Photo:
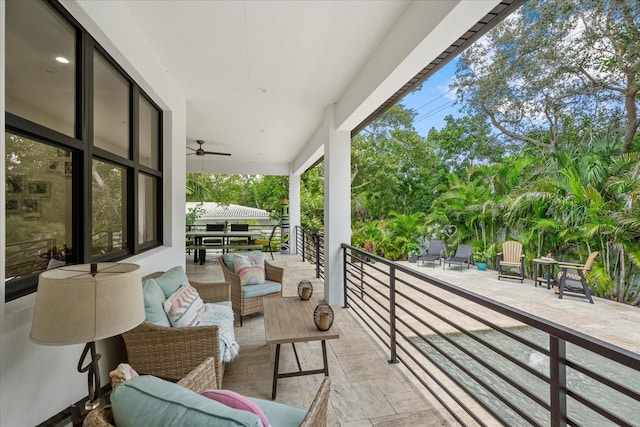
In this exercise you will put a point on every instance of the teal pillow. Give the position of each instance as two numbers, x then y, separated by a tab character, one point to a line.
147	401
171	280
279	414
154	303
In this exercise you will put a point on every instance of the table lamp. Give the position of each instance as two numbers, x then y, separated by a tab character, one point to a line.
86	303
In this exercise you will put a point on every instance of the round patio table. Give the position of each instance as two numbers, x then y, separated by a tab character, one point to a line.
542	268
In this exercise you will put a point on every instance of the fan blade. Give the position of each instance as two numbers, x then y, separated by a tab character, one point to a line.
193	149
216	153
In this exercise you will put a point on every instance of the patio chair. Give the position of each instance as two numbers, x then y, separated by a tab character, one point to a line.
434	252
239	227
271	243
575	284
172	352
203	378
247	299
462	256
214	240
510	258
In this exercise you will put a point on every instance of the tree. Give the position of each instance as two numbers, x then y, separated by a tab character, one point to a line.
464	142
554	64
392	167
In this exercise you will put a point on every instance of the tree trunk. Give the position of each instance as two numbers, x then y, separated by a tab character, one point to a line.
623	273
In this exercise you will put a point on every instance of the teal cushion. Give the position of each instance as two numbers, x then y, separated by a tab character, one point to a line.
261	289
171	280
279	414
225	303
228	258
147	401
153	303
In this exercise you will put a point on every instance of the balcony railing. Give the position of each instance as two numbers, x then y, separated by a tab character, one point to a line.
484	361
310	246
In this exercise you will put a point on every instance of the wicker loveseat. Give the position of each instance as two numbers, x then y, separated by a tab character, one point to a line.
170	352
137	403
242	303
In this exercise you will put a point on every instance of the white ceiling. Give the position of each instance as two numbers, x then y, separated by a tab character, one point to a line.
259	75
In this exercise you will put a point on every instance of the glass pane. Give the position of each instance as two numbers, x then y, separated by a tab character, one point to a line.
38	206
40	66
109	207
147	209
110	108
149	118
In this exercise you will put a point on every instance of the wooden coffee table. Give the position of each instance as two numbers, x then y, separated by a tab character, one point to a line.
288	321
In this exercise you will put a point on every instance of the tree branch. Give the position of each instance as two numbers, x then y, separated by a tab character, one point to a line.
514	135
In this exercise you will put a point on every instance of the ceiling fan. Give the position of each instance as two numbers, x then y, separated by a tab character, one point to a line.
200	151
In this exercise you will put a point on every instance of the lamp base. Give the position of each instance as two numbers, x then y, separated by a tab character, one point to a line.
90	405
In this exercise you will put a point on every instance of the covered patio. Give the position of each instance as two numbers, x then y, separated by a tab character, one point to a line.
367	390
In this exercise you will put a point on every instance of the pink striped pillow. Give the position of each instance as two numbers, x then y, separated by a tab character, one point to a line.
250	269
183	307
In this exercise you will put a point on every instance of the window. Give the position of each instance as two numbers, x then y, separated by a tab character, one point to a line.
83	161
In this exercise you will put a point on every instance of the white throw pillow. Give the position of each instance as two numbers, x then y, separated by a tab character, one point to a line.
184	306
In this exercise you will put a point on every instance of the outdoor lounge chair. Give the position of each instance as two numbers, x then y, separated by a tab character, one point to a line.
511	257
575	284
434	252
462	255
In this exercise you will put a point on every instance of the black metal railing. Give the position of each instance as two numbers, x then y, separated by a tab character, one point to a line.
28	256
310	247
484	361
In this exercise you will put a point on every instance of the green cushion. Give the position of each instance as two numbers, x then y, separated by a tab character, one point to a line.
261	289
279	414
147	401
153	303
171	280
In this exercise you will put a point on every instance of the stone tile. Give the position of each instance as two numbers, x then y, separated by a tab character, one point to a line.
416	419
360	367
359	400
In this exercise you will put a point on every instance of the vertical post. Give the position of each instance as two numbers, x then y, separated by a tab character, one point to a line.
558	381
304	245
284	227
392	314
316	242
344	275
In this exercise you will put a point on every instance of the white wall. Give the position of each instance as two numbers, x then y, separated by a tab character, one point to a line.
37	381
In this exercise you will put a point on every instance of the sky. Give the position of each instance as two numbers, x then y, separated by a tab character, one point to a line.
434	101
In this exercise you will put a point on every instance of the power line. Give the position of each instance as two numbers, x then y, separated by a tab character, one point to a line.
434	111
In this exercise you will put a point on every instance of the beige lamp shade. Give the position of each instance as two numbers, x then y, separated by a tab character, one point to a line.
74	306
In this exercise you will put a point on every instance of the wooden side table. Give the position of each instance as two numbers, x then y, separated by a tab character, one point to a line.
542	266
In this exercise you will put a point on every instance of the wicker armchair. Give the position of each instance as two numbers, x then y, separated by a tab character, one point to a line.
243	306
172	353
203	377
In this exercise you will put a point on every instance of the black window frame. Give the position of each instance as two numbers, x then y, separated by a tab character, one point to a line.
83	153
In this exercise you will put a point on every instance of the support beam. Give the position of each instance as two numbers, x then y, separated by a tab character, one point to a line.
294	210
337	205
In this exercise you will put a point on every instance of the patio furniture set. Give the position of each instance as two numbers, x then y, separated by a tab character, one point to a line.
177	344
571	279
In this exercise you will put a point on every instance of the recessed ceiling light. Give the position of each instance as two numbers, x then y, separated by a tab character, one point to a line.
62	59
261	130
262	90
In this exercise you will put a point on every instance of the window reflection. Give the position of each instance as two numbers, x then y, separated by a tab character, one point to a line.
39	87
147	209
110	108
149	137
37	205
109	208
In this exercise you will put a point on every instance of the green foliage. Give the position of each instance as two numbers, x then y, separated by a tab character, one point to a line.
194	213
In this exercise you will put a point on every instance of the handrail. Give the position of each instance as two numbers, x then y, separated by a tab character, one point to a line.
426	322
310	246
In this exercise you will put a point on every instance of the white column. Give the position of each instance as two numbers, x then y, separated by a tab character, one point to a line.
294	210
337	206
